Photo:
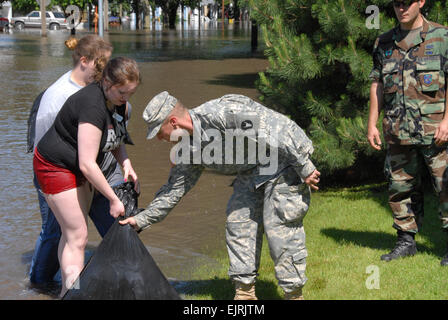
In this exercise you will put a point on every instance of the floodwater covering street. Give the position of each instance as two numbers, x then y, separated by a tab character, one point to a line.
195	65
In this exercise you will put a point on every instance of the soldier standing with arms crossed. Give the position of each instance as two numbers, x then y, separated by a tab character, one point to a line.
410	63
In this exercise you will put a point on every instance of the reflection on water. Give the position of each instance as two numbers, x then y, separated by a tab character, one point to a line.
194	65
210	41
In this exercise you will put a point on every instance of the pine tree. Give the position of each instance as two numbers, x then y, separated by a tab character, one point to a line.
319	53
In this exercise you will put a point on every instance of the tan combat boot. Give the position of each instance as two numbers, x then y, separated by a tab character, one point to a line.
294	295
244	291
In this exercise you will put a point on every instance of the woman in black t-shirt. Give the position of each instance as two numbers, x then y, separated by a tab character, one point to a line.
90	123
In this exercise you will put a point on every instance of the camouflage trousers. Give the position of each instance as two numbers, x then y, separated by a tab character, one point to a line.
277	208
404	166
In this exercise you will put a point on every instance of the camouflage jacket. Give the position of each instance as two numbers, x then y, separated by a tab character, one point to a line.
413	79
218	126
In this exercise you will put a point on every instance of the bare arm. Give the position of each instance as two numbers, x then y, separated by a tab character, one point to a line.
89	138
122	157
376	102
182	178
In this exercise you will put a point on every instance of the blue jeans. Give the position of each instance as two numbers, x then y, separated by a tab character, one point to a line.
45	263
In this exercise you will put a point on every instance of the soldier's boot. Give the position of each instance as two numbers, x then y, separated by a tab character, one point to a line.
444	261
404	247
244	291
294	295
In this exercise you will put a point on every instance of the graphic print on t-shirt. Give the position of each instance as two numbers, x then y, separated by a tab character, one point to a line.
116	133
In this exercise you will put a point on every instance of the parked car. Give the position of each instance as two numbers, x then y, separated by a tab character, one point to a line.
4	23
55	20
114	21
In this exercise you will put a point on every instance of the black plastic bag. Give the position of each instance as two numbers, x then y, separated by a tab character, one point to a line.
122	268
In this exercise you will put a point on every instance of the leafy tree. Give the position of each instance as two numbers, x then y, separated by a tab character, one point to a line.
137	7
64	3
319	53
169	8
114	6
191	3
24	6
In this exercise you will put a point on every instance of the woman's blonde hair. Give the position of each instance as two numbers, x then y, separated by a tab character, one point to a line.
92	47
121	70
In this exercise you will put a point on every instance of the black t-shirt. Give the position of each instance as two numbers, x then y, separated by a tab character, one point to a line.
60	144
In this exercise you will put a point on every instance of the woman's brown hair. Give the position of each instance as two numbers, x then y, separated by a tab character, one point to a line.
92	47
121	70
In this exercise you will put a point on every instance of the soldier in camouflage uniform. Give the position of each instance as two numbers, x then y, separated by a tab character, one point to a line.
410	63
271	196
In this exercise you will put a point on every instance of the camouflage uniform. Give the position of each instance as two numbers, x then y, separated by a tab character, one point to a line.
274	203
413	77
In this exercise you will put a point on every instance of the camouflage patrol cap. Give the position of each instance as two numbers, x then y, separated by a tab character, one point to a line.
156	112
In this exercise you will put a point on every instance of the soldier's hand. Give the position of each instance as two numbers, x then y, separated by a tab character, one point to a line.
373	136
130	221
441	134
313	179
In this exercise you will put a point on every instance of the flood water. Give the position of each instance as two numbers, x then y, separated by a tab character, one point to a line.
193	65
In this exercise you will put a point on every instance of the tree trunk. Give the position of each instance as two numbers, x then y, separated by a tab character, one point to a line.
172	11
106	15
236	11
182	8
43	18
136	9
146	8
254	35
153	11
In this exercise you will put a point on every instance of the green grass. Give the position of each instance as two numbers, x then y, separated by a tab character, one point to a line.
347	231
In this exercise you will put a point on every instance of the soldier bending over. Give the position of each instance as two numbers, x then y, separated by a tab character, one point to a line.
269	196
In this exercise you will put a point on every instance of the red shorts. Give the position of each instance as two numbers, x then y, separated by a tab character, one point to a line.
53	179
